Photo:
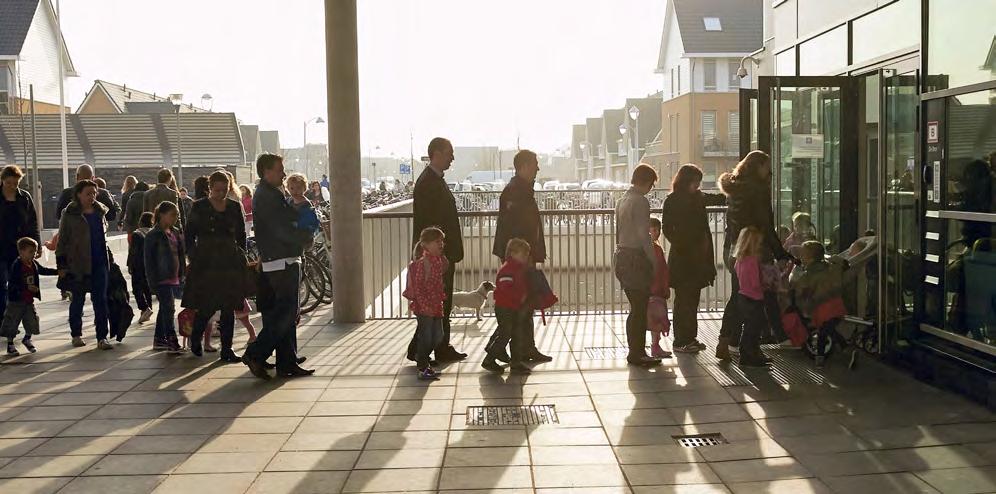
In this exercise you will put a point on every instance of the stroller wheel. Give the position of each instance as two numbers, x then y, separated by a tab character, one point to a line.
812	343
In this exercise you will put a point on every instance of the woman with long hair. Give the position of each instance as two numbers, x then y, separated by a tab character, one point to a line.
685	224
748	195
216	245
127	189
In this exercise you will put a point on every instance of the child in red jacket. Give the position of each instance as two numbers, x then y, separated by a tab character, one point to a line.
426	294
660	291
511	290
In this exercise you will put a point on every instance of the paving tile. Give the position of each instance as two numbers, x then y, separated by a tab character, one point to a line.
325	441
578	476
488	438
498	477
118	484
759	470
682	489
670	474
879	483
337	424
160	444
152	464
961	480
407	440
409	479
743	450
225	462
402	458
312	460
548	436
58	446
62	412
21	430
244	443
130	411
657	453
221	483
81	398
42	485
18	447
48	466
483	457
572	455
298	482
106	427
426	422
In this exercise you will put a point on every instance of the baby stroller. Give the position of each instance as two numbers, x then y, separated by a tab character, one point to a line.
862	334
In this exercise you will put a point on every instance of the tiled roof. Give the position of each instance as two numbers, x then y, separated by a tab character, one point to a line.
121	95
15	19
741	24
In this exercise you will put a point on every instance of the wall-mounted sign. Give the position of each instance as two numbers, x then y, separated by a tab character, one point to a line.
933	132
937	181
807	146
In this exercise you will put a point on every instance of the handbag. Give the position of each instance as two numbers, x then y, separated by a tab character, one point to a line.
185	322
250	282
632	268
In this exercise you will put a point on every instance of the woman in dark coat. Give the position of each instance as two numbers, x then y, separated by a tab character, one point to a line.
17	219
748	196
685	224
216	246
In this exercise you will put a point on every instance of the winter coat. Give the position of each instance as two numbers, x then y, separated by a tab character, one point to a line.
519	217
275	225
817	287
511	285
160	265
749	204
16	284
133	210
103	196
216	245
424	288
73	252
434	205
685	224
23	223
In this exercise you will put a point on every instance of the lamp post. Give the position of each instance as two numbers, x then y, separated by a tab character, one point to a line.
634	113
624	129
210	101
307	162
587	153
177	100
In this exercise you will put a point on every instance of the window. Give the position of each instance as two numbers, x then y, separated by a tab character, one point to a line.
709	141
785	62
733	124
732	67
709	75
825	54
4	91
678	72
712	24
960	43
672	83
886	30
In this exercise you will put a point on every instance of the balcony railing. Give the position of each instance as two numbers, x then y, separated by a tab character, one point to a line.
579	246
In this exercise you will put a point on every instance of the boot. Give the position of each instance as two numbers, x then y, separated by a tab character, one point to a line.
723	349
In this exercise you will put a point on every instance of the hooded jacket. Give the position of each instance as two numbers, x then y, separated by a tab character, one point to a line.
749	204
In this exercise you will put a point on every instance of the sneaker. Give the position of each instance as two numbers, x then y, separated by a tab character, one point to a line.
643	360
78	341
105	345
173	346
146	315
689	348
30	346
702	346
490	364
427	374
160	345
502	356
658	352
12	350
536	356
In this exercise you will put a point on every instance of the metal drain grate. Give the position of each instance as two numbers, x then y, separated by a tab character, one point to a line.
699	440
514	415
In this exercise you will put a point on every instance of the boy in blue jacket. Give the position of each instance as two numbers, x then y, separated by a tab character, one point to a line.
22	290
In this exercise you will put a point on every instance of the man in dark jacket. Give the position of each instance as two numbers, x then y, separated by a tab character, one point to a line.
519	217
85	172
280	244
434	205
163	192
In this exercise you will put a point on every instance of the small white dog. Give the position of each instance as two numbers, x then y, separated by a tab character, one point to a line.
475	299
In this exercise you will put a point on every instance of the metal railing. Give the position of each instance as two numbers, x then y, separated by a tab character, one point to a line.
579	247
556	199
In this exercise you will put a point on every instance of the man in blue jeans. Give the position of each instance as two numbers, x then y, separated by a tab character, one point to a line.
281	244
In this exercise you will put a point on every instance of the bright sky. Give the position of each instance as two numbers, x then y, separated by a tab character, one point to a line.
478	71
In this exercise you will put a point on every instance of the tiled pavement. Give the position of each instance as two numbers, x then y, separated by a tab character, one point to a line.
131	421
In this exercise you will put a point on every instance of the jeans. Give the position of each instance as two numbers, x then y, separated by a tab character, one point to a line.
773	311
278	334
514	327
98	299
732	321
428	334
755	322
143	294
226	326
166	318
444	343
686	308
636	322
4	274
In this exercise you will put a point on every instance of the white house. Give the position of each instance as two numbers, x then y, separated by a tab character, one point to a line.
30	44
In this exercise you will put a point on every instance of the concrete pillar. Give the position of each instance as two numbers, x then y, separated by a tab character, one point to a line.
342	74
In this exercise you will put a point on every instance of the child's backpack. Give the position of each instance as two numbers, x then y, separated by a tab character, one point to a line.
540	296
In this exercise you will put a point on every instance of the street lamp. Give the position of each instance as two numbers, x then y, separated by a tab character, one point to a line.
586	155
634	113
210	101
177	100
307	162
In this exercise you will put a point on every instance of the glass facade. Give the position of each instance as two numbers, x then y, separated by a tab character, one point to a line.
886	30
824	54
785	62
961	42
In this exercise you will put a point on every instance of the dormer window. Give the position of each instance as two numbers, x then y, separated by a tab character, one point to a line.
712	24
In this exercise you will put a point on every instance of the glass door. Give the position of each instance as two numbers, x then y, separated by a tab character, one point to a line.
807	126
748	121
899	274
